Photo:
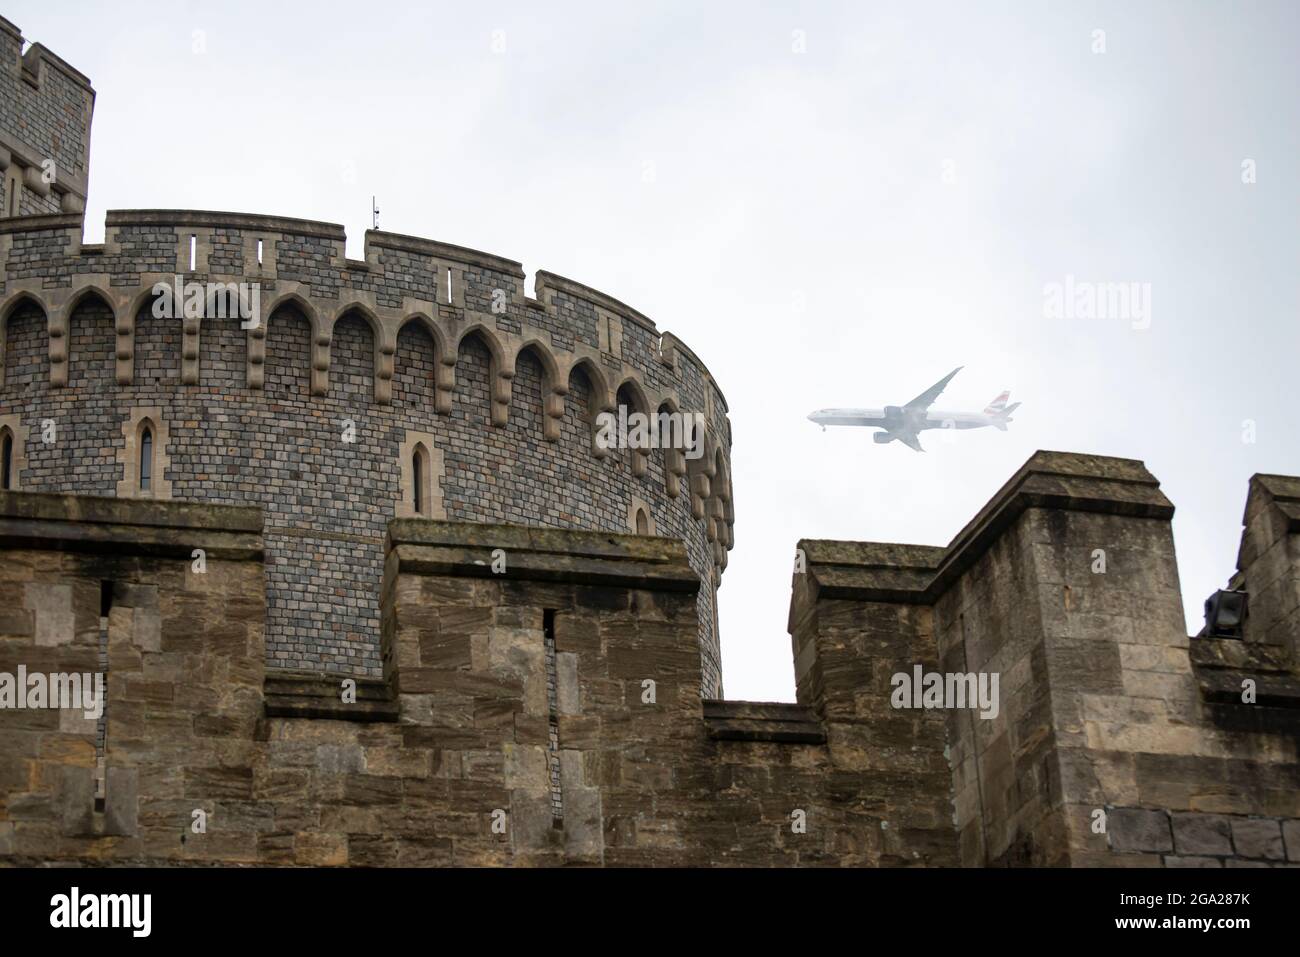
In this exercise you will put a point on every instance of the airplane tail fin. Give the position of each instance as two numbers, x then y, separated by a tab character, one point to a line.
998	404
1002	416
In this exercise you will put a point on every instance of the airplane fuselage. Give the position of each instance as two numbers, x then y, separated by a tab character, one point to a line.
883	419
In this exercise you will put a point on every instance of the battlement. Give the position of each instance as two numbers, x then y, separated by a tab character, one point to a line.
920	574
45	114
400	277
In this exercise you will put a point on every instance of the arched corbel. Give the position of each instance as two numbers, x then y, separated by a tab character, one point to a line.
124	347
602	403
190	350
57	321
554	416
320	359
672	477
444	382
503	374
697	505
386	348
701	487
257	355
676	462
720	507
714	514
641	454
702	472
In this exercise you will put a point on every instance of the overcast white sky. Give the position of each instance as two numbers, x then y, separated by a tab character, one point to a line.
786	214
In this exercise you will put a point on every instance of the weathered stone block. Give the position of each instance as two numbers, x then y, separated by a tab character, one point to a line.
445	650
1202	834
16	622
368	789
122	802
579	634
1258	838
1136	829
76	803
532	824
147	628
314	849
51	607
567	687
210	783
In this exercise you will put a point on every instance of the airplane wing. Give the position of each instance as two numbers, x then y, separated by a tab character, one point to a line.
926	398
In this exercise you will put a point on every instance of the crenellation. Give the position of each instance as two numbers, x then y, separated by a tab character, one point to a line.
141	249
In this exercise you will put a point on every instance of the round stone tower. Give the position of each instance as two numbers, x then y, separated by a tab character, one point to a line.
221	357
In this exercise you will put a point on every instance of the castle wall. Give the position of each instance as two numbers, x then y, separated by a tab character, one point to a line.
504	387
548	712
540	699
1118	740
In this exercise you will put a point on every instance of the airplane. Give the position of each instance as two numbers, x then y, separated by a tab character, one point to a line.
903	423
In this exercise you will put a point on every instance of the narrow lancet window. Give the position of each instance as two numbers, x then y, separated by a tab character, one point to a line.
6	460
146	459
417	475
